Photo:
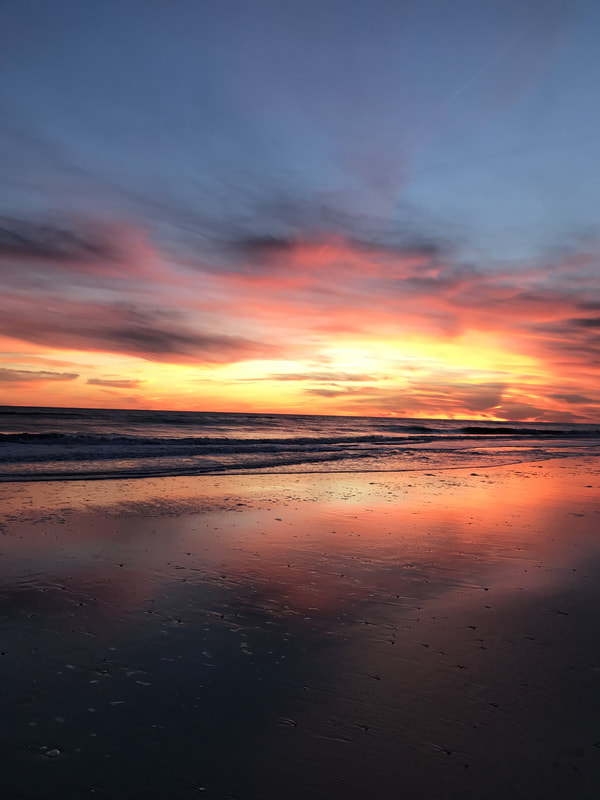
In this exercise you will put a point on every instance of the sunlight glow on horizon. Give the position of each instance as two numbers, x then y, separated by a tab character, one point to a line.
364	378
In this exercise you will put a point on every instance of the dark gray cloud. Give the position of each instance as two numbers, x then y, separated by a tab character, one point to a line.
586	322
22	239
27	376
261	245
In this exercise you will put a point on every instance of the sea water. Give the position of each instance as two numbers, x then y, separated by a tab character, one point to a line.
69	443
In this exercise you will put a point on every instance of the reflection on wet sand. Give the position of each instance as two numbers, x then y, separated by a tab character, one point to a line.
303	636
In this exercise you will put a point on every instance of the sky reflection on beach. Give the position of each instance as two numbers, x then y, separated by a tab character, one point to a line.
336	621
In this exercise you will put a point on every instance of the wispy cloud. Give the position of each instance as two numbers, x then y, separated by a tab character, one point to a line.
27	376
343	391
152	334
114	383
319	377
25	239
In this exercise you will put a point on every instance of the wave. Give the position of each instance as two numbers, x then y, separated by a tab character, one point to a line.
71	439
60	447
530	433
107	443
404	435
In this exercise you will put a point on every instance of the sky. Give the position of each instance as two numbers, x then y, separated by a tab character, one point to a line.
361	207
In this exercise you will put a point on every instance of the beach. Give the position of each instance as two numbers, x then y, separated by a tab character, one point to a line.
334	635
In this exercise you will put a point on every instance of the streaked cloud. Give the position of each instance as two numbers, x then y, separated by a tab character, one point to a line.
342	391
25	239
114	383
149	333
27	376
319	377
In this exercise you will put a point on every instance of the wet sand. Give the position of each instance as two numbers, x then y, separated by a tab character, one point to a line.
415	635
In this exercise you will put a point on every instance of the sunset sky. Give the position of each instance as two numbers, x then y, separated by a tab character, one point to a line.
340	207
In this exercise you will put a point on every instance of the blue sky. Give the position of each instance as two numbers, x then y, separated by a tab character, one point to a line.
478	118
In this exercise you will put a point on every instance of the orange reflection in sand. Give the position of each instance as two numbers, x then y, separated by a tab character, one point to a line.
295	544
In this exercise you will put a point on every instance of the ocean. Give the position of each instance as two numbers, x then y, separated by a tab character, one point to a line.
71	443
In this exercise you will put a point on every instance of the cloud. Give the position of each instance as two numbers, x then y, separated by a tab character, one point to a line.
325	262
342	391
76	255
316	377
114	383
51	242
27	376
152	334
446	395
341	285
472	397
516	411
442	395
586	322
261	247
572	398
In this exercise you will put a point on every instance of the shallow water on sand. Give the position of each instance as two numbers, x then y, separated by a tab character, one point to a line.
330	636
